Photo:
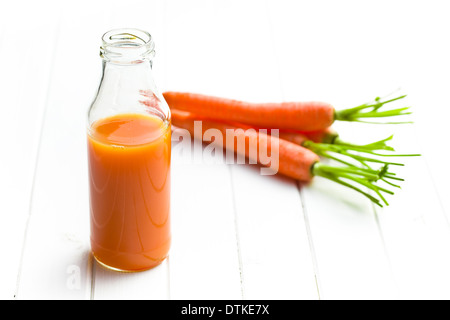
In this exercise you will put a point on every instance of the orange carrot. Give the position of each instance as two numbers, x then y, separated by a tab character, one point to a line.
290	115
327	135
319	141
294	160
322	142
300	137
302	116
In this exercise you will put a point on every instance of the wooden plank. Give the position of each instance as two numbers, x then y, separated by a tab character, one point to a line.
204	258
149	285
351	260
319	62
274	246
415	228
275	252
426	83
56	260
25	76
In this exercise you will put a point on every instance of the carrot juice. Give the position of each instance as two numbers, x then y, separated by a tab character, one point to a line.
129	168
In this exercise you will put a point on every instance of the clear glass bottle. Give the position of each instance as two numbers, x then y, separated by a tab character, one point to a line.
129	133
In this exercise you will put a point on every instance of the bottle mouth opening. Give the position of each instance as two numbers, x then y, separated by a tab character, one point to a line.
127	45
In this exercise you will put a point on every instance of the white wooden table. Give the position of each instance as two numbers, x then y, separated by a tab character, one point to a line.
236	234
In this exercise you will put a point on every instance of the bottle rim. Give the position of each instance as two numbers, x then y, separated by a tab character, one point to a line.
127	45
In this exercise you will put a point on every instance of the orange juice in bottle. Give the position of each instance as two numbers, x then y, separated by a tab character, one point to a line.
129	135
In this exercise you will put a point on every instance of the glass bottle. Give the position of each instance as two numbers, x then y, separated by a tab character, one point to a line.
129	134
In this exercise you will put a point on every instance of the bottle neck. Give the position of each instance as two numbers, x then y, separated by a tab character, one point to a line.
127	84
127	76
127	64
128	79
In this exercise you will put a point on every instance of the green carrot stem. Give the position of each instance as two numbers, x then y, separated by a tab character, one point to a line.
371	110
355	176
348	185
377	145
323	149
390	183
367	159
389	113
388	176
353	170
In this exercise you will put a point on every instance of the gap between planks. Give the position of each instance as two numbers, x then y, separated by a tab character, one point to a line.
37	154
310	238
236	231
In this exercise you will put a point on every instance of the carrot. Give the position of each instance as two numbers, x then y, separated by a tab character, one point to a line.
328	135
329	144
294	160
300	137
302	116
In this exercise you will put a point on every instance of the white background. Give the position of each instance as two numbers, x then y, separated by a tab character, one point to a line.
236	234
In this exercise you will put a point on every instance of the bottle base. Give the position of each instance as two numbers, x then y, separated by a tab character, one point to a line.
108	267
